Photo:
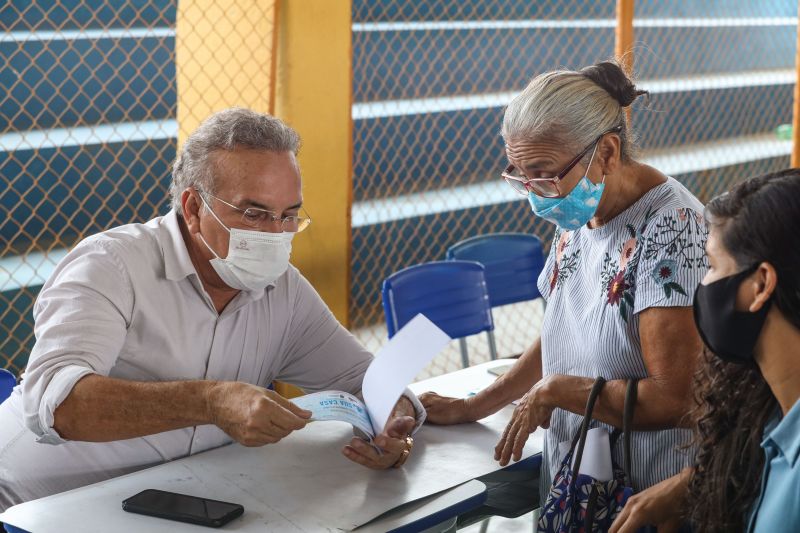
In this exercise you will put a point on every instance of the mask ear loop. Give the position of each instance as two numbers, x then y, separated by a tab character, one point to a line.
217	219
591	159
213	214
209	247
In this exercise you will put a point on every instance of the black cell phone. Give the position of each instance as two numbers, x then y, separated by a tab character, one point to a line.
182	508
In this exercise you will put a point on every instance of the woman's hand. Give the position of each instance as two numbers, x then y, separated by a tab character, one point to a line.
444	410
660	505
533	411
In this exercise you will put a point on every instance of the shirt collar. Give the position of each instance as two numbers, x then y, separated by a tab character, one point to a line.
177	263
784	434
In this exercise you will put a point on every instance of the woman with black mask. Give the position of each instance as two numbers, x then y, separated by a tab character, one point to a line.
747	474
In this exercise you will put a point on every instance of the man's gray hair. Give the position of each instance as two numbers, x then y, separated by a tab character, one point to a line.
225	131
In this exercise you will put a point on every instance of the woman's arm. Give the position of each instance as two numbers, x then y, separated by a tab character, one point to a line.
507	388
670	348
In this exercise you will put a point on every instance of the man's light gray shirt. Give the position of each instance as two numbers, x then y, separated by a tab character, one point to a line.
127	303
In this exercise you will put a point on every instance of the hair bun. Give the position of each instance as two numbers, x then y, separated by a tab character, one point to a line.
613	79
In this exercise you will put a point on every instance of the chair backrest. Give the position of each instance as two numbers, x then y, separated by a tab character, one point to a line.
7	383
452	294
513	262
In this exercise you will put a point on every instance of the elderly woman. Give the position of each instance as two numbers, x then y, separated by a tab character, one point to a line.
627	254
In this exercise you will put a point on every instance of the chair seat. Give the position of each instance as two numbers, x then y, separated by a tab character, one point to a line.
7	383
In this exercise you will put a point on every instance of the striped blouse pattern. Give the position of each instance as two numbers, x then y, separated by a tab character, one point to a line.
596	281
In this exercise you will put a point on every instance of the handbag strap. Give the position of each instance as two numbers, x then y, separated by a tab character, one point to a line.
580	437
631	395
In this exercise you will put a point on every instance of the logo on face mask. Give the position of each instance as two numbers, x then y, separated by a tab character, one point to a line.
242	245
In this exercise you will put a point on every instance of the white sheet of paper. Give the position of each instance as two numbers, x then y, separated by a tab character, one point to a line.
396	365
596	461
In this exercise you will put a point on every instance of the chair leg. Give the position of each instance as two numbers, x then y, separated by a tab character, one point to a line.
485	526
492	345
462	343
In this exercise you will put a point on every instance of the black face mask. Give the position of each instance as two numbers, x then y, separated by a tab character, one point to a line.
729	333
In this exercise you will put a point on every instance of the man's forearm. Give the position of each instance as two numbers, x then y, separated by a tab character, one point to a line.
102	409
510	386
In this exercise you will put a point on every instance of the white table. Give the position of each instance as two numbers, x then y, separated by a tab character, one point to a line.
302	483
434	511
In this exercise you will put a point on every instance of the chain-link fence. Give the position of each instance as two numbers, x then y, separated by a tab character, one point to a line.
225	58
89	120
721	77
430	81
88	133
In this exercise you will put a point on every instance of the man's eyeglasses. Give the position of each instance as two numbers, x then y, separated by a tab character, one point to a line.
261	219
547	187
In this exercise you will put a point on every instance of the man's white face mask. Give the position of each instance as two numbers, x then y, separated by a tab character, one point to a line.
255	258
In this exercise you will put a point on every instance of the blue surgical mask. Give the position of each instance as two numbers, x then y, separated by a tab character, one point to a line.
573	210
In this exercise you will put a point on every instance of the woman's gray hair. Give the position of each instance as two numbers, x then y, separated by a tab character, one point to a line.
225	131
573	108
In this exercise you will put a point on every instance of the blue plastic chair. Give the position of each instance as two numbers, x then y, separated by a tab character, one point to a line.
513	262
7	383
452	294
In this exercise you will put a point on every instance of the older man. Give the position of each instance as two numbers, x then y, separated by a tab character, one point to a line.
156	341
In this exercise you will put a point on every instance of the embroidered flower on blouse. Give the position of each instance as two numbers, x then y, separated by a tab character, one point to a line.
554	278
617	287
627	253
664	274
565	263
562	245
664	271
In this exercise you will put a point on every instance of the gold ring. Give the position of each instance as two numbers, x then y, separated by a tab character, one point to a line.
405	453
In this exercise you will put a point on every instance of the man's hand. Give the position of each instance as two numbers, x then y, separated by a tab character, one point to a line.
251	415
532	412
392	442
444	410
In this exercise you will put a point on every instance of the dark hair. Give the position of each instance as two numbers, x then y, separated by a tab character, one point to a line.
758	221
610	76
